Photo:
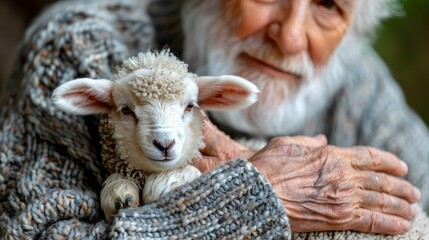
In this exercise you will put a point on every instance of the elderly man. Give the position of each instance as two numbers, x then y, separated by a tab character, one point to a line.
317	75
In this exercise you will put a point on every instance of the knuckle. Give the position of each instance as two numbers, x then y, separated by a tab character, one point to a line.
279	140
327	154
360	150
327	150
387	203
382	202
380	223
375	179
373	157
376	222
387	185
345	212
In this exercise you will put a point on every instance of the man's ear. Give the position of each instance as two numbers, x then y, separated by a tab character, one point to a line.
225	92
84	96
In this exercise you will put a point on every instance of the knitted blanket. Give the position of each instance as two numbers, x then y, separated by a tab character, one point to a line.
50	168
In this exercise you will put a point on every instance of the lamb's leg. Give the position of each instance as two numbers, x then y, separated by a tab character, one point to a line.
118	192
159	184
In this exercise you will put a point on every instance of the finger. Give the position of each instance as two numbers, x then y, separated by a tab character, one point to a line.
391	185
377	222
380	225
206	164
387	204
367	158
217	142
317	141
209	129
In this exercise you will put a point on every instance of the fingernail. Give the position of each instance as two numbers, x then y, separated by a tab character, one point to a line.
320	137
404	166
405	226
417	193
413	211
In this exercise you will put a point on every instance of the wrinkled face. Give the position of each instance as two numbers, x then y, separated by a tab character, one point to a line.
288	31
283	46
157	134
283	43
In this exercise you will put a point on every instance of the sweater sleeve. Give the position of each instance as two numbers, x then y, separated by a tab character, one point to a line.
50	173
233	201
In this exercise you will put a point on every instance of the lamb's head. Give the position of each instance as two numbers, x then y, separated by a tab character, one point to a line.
154	105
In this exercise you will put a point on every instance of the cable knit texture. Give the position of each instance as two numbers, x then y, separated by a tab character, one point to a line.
50	168
231	202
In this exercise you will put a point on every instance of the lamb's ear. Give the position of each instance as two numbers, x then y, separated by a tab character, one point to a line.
226	92
84	96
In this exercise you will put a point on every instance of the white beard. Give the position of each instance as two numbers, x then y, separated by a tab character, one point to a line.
284	106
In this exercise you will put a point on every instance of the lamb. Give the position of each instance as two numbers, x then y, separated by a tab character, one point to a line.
151	123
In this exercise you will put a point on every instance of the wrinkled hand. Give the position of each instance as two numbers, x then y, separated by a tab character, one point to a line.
326	188
219	148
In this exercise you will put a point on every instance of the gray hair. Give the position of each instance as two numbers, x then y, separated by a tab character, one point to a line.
371	13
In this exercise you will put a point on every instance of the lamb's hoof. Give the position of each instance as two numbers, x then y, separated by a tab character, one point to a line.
127	202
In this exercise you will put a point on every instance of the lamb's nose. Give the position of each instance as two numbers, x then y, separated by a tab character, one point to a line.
164	146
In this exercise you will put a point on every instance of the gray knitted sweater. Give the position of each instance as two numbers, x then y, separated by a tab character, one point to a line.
50	168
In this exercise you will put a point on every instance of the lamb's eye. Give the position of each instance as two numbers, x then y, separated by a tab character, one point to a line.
190	106
126	110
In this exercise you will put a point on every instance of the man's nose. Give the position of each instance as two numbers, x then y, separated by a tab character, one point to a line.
288	30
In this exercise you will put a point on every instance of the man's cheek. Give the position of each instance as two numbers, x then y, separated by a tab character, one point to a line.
323	45
250	18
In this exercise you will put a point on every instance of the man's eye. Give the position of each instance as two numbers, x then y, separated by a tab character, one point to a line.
328	4
266	1
126	110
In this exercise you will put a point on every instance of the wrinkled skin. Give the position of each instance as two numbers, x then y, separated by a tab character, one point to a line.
326	187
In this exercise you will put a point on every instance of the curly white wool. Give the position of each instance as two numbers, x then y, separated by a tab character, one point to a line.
164	81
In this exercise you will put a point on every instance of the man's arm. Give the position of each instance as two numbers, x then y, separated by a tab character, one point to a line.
231	202
326	188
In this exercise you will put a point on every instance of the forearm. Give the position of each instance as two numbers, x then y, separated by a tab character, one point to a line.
232	201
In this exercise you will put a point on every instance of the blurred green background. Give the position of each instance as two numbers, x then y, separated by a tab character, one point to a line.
403	42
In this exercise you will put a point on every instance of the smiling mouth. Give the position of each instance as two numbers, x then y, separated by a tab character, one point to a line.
268	68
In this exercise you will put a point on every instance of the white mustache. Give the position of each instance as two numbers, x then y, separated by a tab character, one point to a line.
300	65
